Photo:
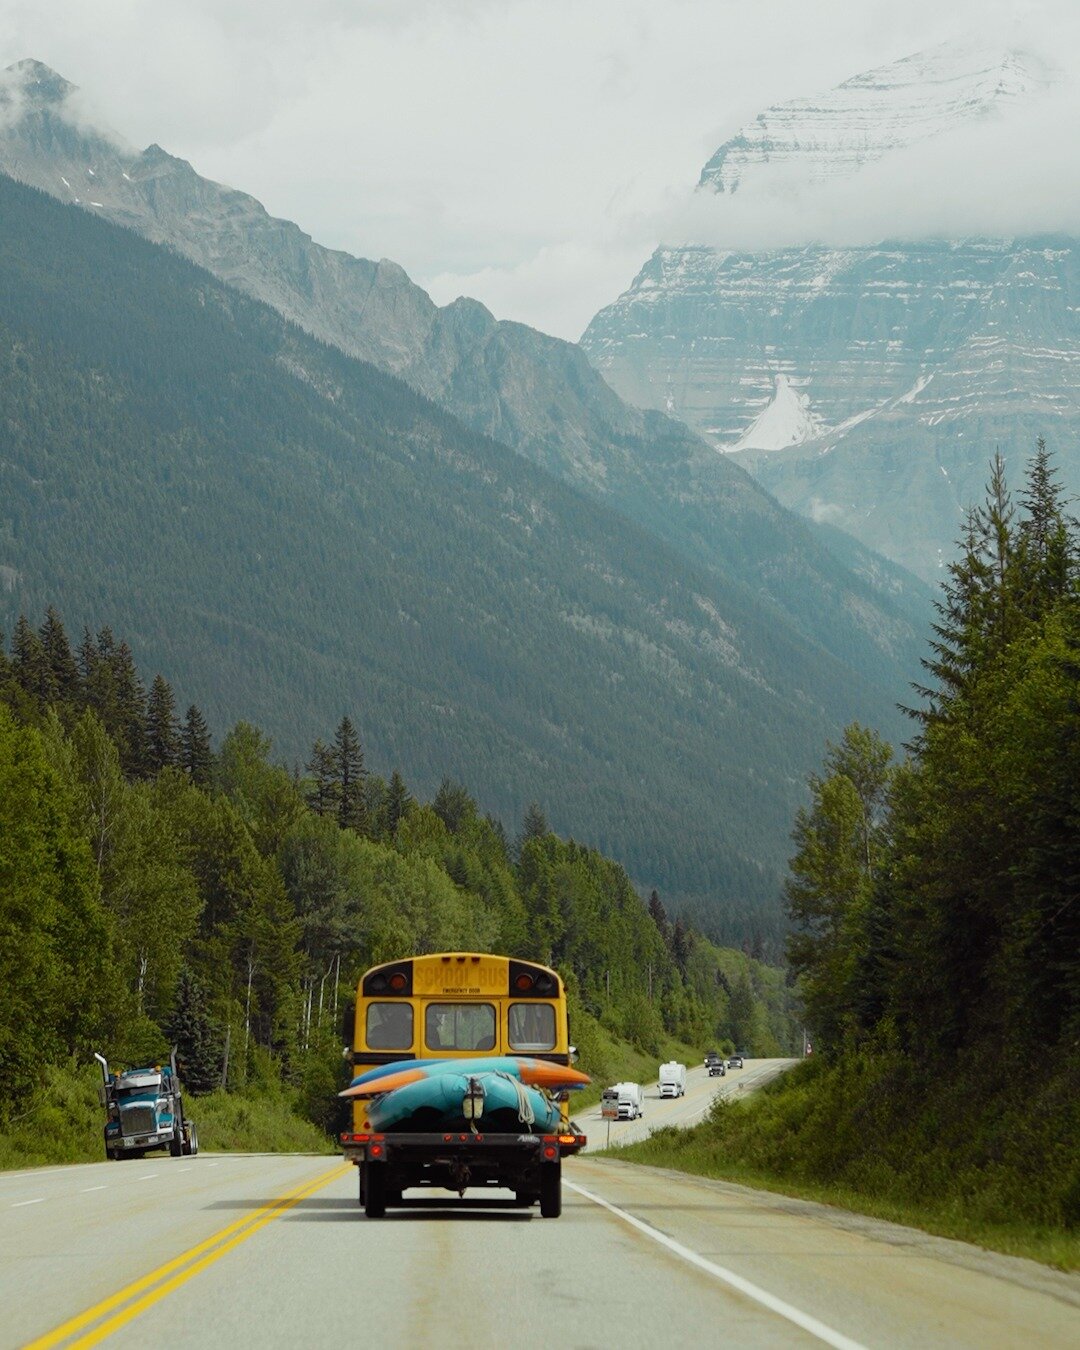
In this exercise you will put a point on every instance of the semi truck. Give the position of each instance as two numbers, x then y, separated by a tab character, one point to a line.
145	1111
672	1079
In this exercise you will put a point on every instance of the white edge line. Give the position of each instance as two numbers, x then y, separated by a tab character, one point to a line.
87	1189
149	1176
19	1203
767	1300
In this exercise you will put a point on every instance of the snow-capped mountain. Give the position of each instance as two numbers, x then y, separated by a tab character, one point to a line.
866	385
834	133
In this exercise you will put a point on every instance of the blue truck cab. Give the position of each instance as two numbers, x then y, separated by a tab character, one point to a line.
145	1111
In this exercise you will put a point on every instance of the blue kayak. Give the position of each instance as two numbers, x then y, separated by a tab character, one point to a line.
435	1103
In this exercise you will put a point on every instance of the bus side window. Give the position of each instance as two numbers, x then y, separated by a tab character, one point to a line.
531	1026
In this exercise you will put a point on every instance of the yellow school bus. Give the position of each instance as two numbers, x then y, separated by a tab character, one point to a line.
462	1006
457	1005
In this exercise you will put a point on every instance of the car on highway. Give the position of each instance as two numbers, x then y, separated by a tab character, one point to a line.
735	1062
714	1063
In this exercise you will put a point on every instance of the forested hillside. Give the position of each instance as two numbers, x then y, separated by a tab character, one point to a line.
937	903
156	889
289	533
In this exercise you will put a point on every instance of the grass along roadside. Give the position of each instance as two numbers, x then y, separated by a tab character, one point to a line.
827	1133
63	1123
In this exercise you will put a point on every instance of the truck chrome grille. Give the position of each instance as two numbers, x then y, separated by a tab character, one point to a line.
137	1120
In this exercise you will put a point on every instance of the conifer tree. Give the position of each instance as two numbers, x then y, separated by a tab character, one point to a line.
30	665
162	729
190	1030
196	756
129	712
659	917
62	669
533	826
350	773
322	795
396	804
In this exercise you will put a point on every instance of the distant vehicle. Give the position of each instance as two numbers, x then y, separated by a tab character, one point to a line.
715	1065
711	1055
735	1062
672	1079
630	1099
145	1111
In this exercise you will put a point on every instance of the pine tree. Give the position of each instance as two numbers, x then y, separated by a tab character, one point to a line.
30	665
350	773
196	755
63	671
162	729
1045	550
322	794
130	712
533	826
681	945
190	1030
660	918
396	804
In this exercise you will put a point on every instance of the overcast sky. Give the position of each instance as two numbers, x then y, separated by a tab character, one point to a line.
528	152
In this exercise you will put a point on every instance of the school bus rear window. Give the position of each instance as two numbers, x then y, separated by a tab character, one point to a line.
389	1026
459	1026
532	1026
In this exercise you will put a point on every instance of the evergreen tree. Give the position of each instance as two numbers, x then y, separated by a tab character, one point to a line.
681	943
659	917
190	1030
62	668
322	793
533	826
163	742
30	665
396	804
196	755
350	774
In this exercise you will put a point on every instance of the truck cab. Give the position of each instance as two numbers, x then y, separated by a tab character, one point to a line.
145	1111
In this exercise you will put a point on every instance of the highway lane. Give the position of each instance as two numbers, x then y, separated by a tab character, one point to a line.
674	1256
701	1090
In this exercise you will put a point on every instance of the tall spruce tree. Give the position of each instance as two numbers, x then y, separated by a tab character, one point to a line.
196	754
396	804
350	773
62	668
191	1031
322	792
163	744
30	665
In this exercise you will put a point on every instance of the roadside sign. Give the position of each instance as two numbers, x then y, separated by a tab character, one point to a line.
609	1110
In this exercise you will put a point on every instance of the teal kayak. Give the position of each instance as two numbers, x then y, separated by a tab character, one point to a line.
435	1103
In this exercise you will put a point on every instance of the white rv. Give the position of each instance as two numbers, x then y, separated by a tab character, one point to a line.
673	1080
630	1099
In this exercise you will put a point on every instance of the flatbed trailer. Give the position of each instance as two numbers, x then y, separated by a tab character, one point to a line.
528	1164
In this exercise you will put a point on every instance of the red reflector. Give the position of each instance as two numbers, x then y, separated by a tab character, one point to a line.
375	1150
463	1137
550	1152
447	1138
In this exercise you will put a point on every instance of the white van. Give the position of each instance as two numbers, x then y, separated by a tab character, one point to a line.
673	1079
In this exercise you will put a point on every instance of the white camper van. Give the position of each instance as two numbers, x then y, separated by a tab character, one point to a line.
630	1098
673	1080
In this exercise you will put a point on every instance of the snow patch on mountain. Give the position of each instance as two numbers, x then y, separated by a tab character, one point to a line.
786	420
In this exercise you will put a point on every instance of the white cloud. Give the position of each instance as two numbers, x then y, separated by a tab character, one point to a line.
532	152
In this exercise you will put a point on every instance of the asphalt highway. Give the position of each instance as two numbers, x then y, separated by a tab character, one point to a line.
249	1250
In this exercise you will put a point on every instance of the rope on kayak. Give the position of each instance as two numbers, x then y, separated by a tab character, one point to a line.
526	1114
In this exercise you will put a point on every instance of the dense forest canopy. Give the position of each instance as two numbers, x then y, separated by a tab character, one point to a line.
154	889
938	899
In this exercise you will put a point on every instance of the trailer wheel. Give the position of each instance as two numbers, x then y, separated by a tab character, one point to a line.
176	1144
375	1190
551	1191
191	1145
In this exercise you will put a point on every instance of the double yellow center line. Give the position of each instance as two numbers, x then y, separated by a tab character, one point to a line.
135	1298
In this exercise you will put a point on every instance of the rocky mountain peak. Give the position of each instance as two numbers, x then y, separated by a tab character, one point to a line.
32	84
834	133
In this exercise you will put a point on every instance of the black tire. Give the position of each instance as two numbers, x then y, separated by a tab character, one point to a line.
551	1191
176	1144
191	1147
375	1190
112	1154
